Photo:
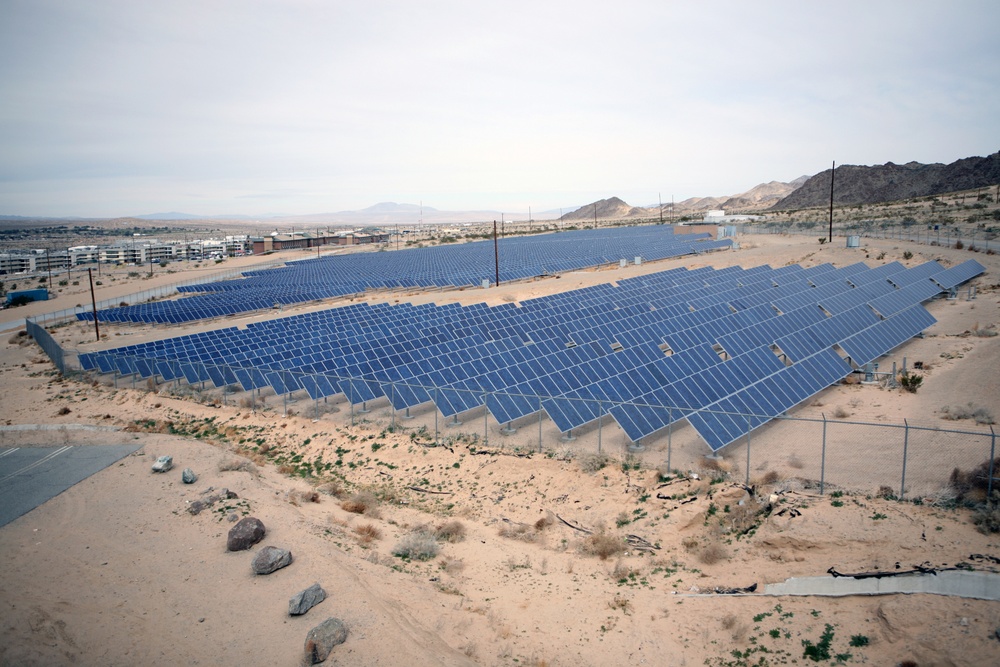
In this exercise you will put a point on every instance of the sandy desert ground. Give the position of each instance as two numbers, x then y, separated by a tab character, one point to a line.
534	564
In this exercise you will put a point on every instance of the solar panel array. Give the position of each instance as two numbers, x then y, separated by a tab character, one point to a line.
462	265
727	350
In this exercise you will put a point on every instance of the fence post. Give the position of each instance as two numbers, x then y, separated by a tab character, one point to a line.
989	484
670	430
906	442
600	426
748	451
539	425
822	460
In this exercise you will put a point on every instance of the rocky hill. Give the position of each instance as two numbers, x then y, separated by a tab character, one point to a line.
893	182
609	209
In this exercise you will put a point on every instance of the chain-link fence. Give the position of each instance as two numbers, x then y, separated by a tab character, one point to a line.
47	343
905	460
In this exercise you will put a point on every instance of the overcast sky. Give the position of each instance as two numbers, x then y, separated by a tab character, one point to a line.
112	108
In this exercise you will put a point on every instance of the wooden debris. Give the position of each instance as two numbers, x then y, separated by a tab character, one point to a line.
573	526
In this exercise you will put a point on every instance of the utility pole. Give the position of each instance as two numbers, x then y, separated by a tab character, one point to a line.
48	263
660	200
496	252
93	304
595	215
832	171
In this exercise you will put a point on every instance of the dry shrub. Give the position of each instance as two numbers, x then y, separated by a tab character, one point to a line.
451	531
591	463
517	531
367	533
332	488
297	497
360	503
64	411
602	545
795	462
623	571
545	522
979	414
840	412
621	602
452	566
237	463
744	518
886	493
716	464
713	553
418	545
770	477
288	469
729	621
987	517
689	543
972	485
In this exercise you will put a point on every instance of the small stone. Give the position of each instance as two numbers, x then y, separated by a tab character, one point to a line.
163	464
248	532
188	476
201	620
323	638
232	517
306	600
964	622
271	559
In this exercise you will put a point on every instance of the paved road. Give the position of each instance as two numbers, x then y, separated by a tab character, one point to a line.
29	476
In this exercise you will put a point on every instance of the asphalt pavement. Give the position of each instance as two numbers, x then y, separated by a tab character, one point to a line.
30	476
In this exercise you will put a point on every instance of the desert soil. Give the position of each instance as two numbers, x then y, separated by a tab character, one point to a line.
534	563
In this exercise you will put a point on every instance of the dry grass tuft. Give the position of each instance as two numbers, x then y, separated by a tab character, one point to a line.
517	531
237	463
602	545
418	545
621	602
451	531
713	553
591	463
770	477
360	503
367	533
840	412
297	497
452	566
332	488
545	522
795	462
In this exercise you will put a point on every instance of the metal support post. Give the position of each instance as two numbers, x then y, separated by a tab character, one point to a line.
748	452
822	460
993	448
539	427
486	423
600	426
906	442
670	429
436	411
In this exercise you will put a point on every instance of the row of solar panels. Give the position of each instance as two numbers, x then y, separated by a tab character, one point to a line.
466	264
458	374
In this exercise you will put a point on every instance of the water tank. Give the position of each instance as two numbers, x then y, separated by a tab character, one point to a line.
854	241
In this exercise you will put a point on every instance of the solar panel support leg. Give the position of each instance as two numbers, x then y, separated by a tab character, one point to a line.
568	436
747	482
539	429
364	408
822	460
508	429
284	405
116	379
600	427
435	417
407	415
486	423
454	421
670	433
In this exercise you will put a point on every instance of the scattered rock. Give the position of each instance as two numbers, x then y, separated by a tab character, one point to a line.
270	559
196	507
209	498
305	600
323	638
163	464
188	476
248	532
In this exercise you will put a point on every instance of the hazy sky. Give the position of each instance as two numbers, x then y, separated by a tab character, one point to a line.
112	108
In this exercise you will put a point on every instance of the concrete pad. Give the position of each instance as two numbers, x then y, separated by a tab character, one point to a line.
960	583
30	476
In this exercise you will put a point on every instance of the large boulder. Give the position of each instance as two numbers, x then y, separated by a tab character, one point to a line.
305	600
248	532
163	463
270	559
323	638
188	476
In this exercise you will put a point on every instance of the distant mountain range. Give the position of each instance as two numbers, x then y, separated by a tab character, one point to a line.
757	198
889	182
